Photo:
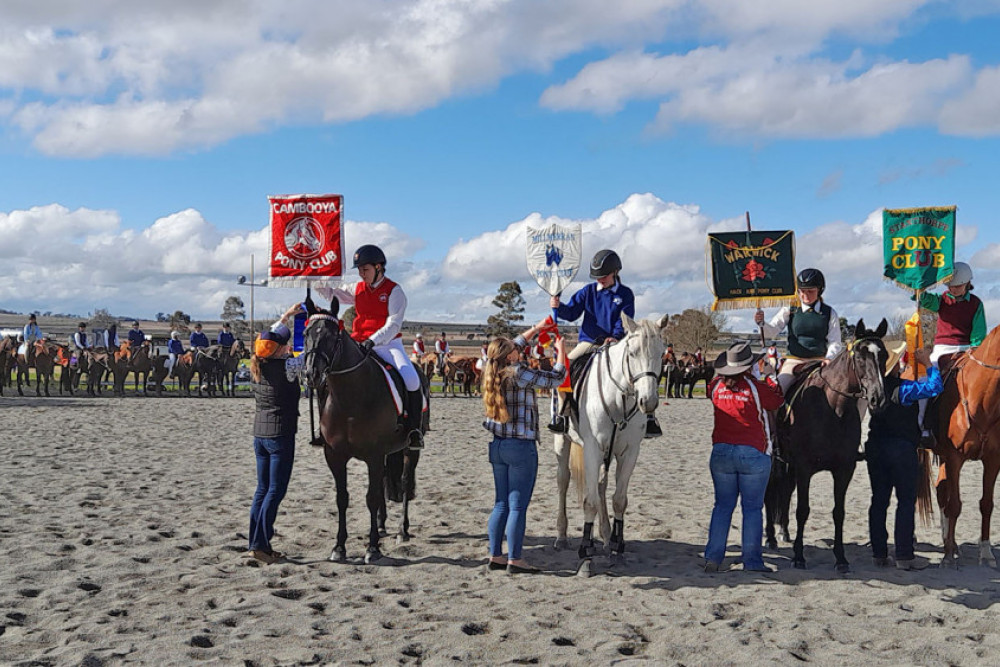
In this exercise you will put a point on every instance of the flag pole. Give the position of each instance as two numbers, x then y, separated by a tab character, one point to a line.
763	339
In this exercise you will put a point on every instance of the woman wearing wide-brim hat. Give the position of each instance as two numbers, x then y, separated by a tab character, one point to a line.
741	454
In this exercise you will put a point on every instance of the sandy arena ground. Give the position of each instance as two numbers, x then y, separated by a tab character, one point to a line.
123	522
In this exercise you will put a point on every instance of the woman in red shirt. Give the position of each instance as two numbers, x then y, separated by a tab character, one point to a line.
741	454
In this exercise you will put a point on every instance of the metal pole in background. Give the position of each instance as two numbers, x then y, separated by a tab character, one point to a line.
253	324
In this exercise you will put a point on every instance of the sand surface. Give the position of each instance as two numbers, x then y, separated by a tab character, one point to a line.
123	523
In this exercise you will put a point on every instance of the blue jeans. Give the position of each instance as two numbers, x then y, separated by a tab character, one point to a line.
274	468
738	471
515	465
892	464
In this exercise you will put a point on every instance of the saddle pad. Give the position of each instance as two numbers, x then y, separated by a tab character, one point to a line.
393	389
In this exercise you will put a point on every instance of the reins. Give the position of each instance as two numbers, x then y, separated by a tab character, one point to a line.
627	391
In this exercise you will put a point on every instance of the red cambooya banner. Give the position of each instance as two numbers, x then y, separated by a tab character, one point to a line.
307	239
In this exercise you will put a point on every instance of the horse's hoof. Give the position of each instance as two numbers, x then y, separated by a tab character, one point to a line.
561	543
949	563
372	556
585	570
338	555
382	532
402	539
843	568
799	564
771	544
617	558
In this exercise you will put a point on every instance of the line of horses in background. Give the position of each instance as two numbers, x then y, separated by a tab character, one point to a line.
462	375
215	367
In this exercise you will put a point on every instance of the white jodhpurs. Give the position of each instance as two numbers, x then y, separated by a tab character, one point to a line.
394	353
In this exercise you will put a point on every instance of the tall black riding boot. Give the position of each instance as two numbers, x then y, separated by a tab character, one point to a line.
560	420
414	418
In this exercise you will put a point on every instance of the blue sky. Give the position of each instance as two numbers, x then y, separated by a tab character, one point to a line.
138	144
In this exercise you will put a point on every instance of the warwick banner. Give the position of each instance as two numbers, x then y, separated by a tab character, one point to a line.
553	255
307	239
752	269
918	246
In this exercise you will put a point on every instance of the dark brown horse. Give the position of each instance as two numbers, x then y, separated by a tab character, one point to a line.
821	430
460	372
967	425
140	364
358	419
43	362
691	375
8	360
230	357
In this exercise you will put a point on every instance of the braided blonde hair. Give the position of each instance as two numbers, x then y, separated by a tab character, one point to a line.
496	370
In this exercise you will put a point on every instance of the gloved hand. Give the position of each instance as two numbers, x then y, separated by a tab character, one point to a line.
367	345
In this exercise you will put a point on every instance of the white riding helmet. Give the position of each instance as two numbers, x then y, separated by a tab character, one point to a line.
176	335
420	335
961	276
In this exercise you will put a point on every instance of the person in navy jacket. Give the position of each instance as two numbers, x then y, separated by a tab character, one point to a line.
226	337
135	336
601	303
198	337
175	348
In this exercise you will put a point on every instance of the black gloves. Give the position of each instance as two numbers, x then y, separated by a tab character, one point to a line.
367	345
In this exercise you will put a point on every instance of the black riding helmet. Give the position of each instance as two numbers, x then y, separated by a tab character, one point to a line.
809	278
368	254
605	263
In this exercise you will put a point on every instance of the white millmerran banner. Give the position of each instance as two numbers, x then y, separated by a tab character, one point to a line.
553	255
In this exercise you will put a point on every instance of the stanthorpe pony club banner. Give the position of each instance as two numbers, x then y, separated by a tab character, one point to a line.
307	239
752	269
918	246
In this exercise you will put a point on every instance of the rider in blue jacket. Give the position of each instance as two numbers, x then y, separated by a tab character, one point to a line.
226	337
198	337
601	303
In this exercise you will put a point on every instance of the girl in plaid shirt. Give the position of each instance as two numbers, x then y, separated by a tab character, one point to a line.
512	418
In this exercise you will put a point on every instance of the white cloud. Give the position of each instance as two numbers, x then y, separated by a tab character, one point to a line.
81	260
112	76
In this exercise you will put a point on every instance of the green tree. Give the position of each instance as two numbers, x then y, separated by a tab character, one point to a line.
234	313
348	318
694	328
179	321
510	301
102	319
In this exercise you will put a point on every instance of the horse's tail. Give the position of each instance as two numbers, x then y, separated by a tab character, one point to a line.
925	507
577	471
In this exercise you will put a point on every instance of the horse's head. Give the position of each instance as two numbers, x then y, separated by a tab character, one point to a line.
323	340
644	348
869	357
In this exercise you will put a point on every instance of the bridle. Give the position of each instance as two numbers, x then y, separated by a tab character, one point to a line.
627	391
329	361
852	368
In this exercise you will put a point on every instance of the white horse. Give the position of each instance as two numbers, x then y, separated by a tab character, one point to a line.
619	390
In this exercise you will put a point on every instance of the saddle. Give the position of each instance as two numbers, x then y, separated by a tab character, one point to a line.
578	369
799	374
400	387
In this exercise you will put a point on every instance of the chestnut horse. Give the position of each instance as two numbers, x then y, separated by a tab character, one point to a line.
358	420
8	360
967	427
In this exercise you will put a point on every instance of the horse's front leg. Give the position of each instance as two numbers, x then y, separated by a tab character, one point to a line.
801	515
624	468
592	500
562	445
338	466
375	499
841	480
950	502
991	466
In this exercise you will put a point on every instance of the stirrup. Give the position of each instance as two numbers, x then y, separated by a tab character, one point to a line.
415	439
559	424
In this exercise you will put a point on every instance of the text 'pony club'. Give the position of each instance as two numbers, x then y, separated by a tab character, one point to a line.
913	251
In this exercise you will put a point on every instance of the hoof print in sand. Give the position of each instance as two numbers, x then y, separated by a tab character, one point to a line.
475	628
201	641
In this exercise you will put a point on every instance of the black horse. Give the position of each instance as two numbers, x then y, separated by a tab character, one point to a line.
692	375
821	428
358	419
